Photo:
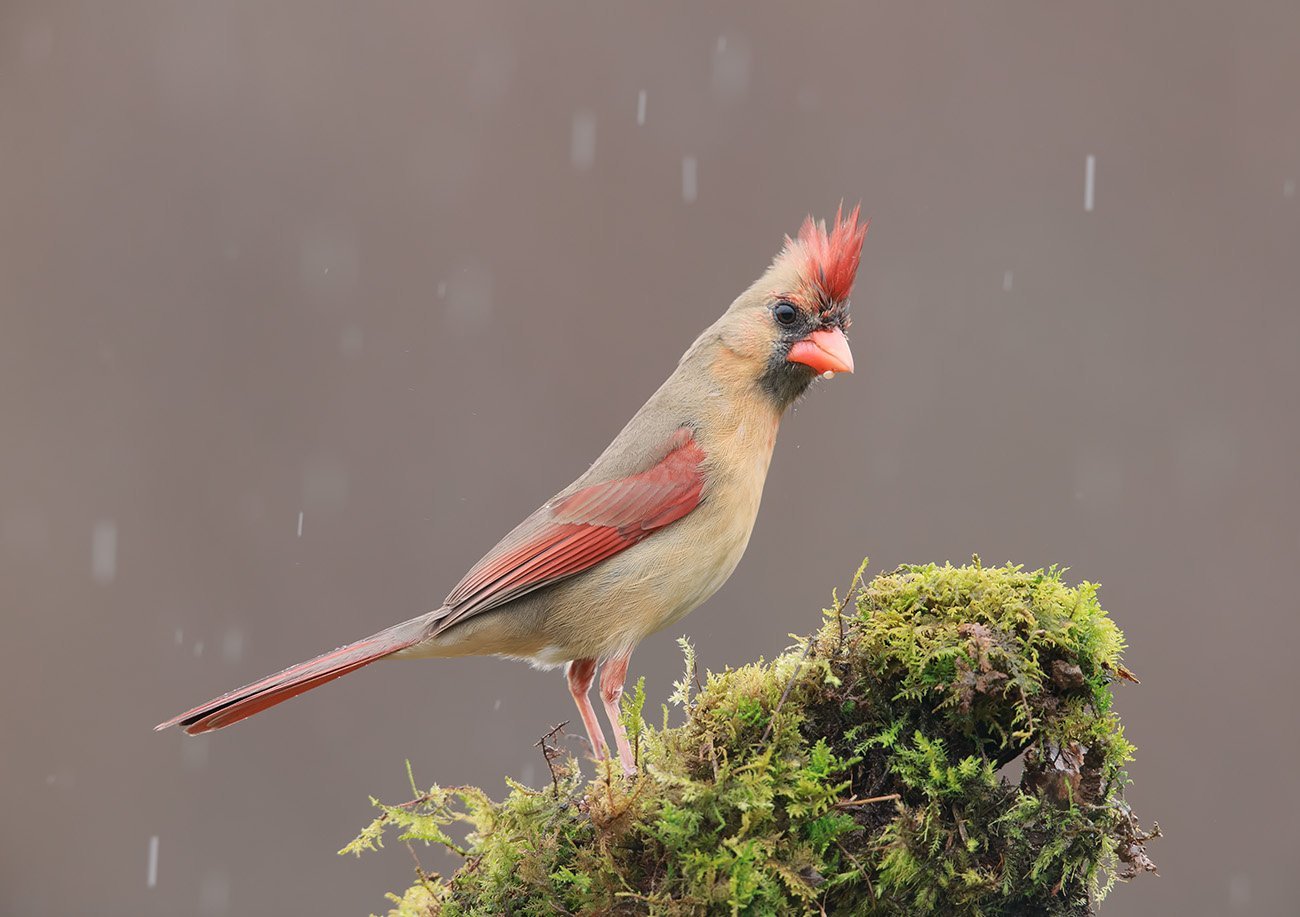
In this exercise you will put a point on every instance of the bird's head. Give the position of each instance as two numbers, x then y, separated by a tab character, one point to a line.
789	327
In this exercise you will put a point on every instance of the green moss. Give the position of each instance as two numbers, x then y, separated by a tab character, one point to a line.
857	773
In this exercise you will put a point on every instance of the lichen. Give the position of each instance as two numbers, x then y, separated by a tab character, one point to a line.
863	771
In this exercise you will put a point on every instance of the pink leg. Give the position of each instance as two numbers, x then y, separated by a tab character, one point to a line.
580	674
611	691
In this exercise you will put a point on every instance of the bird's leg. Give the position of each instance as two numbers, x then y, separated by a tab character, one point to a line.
580	673
612	677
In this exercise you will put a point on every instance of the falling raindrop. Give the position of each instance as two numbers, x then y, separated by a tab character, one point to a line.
640	108
299	523
151	878
582	144
732	64
103	551
1239	891
690	184
198	648
1089	182
1006	281
232	645
214	893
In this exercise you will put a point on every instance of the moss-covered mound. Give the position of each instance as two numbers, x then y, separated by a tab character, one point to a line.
858	773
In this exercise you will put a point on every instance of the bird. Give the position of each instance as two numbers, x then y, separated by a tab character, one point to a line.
655	525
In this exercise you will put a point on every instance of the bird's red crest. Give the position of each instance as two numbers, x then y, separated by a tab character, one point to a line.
830	259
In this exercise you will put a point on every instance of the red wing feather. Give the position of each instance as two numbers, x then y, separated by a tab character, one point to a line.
578	531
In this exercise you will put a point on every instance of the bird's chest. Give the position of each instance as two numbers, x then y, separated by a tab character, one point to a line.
738	459
714	538
661	579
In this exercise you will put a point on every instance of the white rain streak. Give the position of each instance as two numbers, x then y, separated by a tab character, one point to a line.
690	180
180	636
732	65
232	645
1006	281
151	876
214	893
299	523
640	108
1089	182
497	704
582	142
1288	188
1239	891
198	648
103	551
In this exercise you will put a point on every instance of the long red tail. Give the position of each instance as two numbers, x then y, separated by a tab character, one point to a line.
256	697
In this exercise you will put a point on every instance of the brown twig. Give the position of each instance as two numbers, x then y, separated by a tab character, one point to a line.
419	867
551	751
871	891
855	802
1127	674
771	721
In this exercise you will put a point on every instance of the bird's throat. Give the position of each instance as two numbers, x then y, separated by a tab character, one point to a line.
783	383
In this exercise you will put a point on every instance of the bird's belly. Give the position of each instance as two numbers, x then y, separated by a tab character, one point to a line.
611	607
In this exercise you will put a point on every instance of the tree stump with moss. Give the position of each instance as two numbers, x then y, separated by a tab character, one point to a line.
867	770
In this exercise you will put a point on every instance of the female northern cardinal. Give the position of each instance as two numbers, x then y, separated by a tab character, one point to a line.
654	527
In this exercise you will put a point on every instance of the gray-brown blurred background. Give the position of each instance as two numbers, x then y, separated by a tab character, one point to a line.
303	305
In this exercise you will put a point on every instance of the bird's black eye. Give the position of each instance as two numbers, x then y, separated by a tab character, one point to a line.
784	313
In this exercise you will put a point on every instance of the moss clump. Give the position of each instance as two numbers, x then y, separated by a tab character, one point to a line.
857	773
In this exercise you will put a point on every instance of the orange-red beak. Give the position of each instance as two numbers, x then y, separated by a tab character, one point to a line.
824	351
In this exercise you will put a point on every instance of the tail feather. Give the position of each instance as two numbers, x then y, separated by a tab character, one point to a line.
274	689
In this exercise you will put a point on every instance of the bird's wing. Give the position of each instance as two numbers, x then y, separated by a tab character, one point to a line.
578	530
